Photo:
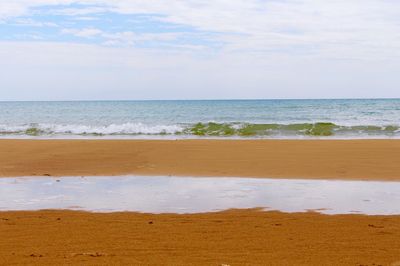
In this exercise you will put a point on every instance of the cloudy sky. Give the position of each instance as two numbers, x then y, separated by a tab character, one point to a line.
176	49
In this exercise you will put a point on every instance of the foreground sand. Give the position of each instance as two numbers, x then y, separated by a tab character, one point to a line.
348	159
234	237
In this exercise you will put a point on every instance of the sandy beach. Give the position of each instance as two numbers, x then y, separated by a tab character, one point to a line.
314	159
236	237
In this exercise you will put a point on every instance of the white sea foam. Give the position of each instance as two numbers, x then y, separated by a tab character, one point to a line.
4	129
113	129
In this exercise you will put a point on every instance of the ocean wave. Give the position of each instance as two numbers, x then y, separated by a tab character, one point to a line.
323	129
112	129
210	129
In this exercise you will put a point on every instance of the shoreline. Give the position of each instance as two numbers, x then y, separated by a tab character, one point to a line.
288	159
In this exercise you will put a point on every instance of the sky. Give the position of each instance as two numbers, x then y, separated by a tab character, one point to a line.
216	49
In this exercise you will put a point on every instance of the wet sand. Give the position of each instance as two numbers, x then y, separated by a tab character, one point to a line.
246	237
317	159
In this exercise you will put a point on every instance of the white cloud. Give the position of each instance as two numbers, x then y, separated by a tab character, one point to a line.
85	18
32	23
85	33
267	49
125	38
55	71
130	38
83	11
337	28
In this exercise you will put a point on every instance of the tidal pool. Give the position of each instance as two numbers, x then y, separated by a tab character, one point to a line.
195	195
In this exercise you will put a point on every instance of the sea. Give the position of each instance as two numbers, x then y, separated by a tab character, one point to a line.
183	119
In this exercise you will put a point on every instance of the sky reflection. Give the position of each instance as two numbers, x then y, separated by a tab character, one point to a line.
194	195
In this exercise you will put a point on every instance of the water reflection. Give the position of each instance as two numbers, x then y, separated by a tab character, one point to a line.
192	195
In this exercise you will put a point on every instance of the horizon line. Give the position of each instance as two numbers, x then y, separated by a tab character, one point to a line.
211	99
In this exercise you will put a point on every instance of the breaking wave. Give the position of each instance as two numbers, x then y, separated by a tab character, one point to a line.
209	129
113	129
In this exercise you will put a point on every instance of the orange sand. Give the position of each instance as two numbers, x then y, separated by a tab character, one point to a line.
340	159
246	237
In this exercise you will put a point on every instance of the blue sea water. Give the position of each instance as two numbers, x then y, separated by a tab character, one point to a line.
370	118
